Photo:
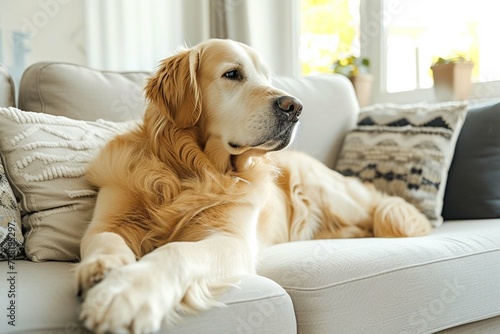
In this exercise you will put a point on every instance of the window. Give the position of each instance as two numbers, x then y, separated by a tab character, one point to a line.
329	30
421	31
402	38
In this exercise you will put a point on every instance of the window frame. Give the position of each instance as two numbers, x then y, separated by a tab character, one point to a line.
373	38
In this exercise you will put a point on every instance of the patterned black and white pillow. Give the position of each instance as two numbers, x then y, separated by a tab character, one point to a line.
405	150
11	238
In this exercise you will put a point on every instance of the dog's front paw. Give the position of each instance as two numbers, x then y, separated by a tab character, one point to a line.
140	298
91	271
127	300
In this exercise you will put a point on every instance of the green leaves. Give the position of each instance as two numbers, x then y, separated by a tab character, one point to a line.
351	66
456	58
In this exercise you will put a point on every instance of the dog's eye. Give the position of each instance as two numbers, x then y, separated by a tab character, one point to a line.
233	75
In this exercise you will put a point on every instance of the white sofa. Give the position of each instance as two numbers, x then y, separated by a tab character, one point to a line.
448	281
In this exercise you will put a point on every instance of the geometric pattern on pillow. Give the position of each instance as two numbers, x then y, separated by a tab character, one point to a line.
11	238
405	150
45	159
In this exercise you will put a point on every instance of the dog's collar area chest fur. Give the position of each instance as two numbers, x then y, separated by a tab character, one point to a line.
243	162
232	162
239	165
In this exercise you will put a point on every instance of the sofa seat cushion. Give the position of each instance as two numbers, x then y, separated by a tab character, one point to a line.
45	302
408	285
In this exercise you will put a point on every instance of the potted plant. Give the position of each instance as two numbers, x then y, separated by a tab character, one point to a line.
452	78
357	70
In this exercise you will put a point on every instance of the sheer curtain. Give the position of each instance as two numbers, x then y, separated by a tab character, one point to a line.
269	26
135	35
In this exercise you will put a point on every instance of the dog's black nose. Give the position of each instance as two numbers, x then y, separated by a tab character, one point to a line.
290	105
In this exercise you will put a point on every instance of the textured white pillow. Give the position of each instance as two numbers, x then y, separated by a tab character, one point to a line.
405	150
45	160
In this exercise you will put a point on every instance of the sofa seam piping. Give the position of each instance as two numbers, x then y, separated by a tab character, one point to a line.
387	272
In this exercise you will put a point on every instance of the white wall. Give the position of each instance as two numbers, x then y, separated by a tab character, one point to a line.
53	31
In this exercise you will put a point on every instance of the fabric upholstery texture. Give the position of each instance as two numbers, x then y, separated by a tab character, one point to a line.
473	187
319	138
405	285
45	160
405	150
53	88
259	305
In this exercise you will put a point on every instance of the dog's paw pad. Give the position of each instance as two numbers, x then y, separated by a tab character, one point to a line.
91	272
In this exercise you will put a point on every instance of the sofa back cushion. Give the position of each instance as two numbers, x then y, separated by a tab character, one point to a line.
82	93
79	92
330	112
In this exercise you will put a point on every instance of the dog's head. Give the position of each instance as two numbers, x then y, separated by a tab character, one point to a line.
222	87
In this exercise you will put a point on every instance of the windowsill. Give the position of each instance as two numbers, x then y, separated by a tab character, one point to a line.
481	93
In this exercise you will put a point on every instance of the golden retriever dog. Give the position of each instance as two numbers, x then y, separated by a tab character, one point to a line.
188	197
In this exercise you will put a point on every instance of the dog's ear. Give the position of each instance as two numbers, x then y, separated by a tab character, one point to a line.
174	88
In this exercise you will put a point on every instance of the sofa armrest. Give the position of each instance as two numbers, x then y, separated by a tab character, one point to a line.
7	89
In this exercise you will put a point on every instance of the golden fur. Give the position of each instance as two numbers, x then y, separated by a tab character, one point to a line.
187	199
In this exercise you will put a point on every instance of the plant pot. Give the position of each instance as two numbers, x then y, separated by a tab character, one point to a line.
452	81
363	87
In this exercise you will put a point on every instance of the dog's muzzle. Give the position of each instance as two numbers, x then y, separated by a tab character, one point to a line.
291	106
282	127
288	110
